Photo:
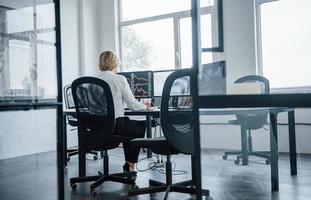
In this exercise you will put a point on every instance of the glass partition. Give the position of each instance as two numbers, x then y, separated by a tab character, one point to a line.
28	82
267	39
28	52
264	112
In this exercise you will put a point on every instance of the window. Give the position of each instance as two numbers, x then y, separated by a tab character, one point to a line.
285	43
143	46
156	35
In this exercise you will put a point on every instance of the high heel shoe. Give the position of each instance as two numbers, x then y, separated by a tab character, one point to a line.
126	167
130	175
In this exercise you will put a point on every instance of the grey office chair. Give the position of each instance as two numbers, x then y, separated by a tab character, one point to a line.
72	121
96	122
253	122
178	131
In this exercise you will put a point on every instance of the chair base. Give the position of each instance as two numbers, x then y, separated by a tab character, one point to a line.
101	178
73	152
181	187
124	177
261	154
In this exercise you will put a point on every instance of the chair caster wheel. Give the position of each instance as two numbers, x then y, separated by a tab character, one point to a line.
267	162
95	157
237	162
73	186
208	198
94	193
224	157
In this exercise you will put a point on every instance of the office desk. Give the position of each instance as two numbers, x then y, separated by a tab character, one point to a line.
273	113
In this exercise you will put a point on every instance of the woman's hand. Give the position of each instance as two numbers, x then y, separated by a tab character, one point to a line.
148	105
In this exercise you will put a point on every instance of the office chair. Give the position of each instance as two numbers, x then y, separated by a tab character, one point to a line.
72	121
96	121
252	122
177	129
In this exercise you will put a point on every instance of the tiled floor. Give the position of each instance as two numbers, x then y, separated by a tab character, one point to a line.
34	178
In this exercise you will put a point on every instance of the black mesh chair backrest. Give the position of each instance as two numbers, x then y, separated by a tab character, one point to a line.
95	111
255	121
69	104
177	122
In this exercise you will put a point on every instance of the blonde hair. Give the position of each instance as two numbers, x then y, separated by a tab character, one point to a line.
108	60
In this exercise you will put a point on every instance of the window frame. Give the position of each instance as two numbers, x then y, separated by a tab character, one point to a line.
176	17
259	55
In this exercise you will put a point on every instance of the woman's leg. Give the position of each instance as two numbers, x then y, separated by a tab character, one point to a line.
130	129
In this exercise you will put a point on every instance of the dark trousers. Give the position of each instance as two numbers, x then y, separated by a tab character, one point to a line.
130	129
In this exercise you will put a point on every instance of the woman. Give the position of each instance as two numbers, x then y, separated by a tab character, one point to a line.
121	92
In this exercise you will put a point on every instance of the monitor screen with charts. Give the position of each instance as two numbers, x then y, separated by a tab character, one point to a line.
141	83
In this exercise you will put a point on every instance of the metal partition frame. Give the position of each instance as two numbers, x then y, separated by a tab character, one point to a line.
59	137
298	100
194	90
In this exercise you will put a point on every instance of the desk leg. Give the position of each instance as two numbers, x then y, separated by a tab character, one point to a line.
292	142
244	144
65	140
274	152
149	133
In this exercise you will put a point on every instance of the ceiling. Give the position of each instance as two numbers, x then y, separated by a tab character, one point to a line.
15	4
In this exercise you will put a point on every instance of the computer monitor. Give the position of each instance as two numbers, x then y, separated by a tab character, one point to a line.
212	79
141	83
180	89
159	78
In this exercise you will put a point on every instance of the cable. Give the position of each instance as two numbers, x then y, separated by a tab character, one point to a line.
151	166
174	171
159	167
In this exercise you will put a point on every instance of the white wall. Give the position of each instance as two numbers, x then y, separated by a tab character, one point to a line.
91	33
108	23
27	132
80	38
239	39
71	47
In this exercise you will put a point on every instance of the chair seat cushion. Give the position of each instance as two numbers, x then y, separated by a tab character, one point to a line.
114	142
157	145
